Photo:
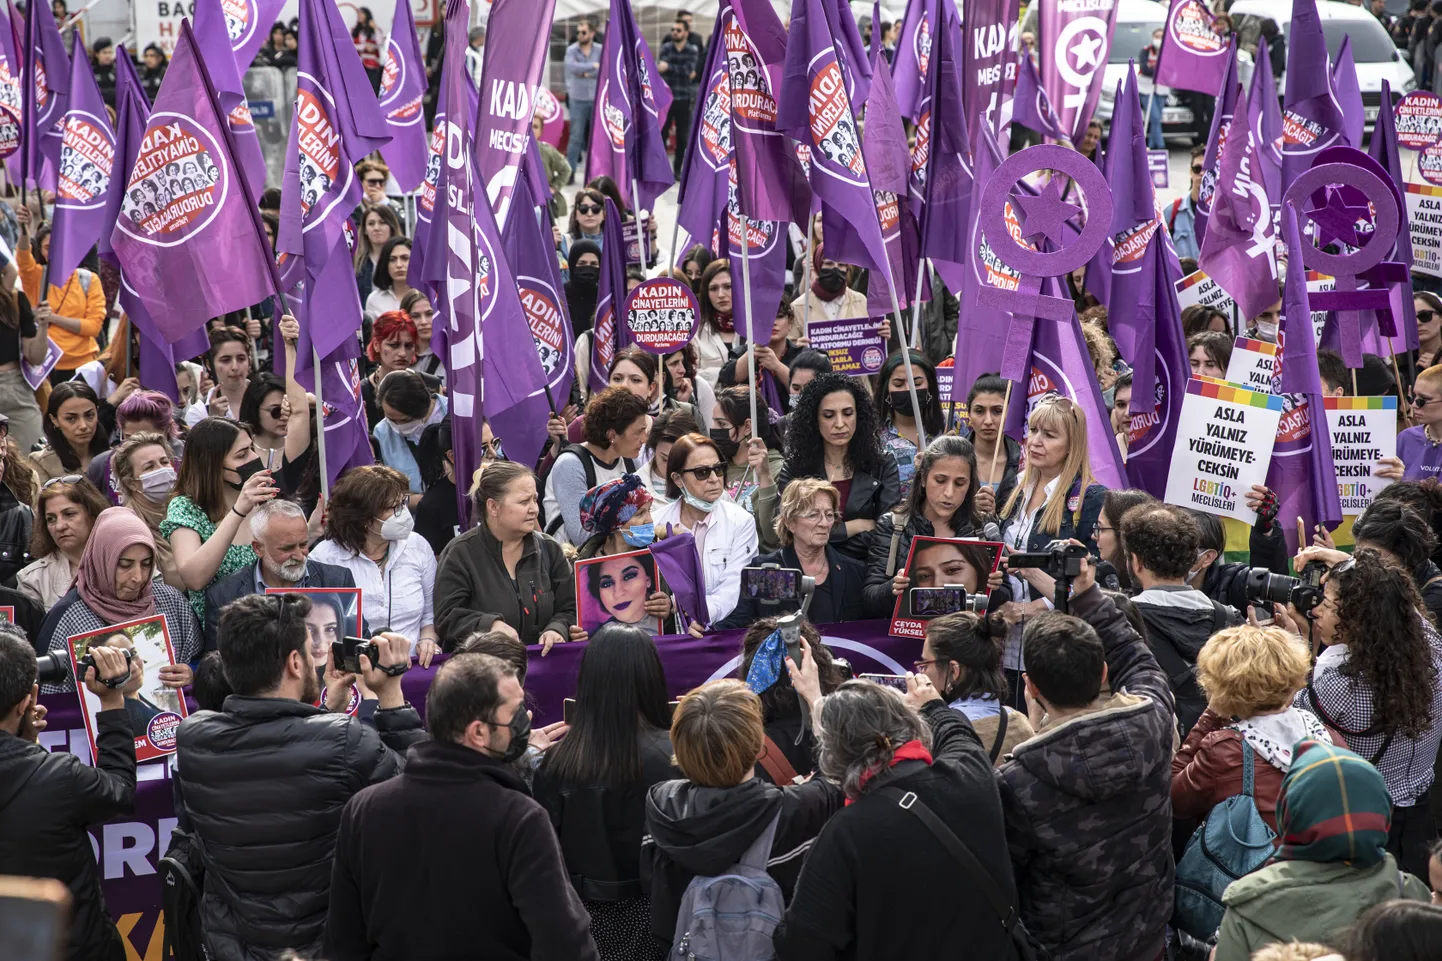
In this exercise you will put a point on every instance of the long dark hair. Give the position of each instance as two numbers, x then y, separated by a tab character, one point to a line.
261	386
947	445
932	420
71	390
720	265
382	279
779	700
202	471
806	451
620	694
964	639
735	403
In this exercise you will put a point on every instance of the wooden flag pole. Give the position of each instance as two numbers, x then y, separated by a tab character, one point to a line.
1001	436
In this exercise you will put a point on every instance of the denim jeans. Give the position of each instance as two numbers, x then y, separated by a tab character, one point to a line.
1155	141
580	132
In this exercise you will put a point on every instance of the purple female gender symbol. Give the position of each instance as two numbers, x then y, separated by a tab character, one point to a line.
1043	213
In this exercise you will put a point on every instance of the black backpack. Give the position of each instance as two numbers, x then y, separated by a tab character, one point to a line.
588	464
182	874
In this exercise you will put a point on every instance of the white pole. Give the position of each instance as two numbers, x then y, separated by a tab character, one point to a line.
910	380
320	424
642	235
806	278
912	337
674	257
746	299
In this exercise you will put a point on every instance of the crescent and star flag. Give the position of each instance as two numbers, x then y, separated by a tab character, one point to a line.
1074	40
45	88
87	180
212	32
1031	107
403	84
512	77
1312	119
1193	56
631	103
1348	92
610	333
1226	108
186	238
491	361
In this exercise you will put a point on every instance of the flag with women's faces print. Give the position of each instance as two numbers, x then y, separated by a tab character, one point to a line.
10	97
610	332
212	31
632	101
1229	104
403	84
941	188
912	61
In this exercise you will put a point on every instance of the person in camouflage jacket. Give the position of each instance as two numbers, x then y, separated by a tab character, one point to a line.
1088	800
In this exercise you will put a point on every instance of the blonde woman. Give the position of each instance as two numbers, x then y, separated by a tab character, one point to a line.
144	467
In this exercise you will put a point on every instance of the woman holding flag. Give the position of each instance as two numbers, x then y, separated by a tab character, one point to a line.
23	336
75	310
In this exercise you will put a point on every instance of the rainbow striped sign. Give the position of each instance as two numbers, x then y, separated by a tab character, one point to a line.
1224	446
1363	431
1256	365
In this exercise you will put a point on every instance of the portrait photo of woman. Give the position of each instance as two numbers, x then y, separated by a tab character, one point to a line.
615	588
946	562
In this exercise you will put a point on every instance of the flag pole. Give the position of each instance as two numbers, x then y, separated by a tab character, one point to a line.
910	380
1000	434
672	257
922	270
643	239
320	422
746	298
806	279
541	224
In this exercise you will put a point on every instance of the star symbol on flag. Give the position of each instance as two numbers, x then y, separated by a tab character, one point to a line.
1046	214
1337	220
1085	50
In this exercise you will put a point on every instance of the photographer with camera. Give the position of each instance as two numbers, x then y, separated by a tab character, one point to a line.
1377	681
48	800
1088	799
963	660
1160	544
265	780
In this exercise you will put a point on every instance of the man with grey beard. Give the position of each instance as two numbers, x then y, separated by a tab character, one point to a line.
282	544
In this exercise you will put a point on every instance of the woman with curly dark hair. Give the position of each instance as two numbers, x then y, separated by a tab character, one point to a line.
1376	682
1424	497
835	434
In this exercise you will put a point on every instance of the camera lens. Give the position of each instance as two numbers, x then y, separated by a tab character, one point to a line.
52	667
1265	587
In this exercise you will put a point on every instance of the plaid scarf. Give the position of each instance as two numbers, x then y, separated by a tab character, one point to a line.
1333	806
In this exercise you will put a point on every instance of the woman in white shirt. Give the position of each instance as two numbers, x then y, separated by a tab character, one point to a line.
389	283
725	533
370	532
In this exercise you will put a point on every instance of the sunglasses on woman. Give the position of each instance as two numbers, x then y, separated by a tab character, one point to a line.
705	471
67	479
588	209
1426	316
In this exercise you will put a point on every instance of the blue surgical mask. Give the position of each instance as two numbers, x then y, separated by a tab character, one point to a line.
639	535
697	503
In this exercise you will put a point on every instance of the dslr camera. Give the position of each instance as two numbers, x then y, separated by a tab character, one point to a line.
346	654
1061	561
1304	592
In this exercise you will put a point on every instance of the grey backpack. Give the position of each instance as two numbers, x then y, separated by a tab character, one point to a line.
731	917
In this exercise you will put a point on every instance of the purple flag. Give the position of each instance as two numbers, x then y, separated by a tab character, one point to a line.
771	185
85	185
532	256
1074	41
631	104
491	361
766	247
185	210
343	413
913	54
1226	108
610	332
212	32
1349	95
248	24
11	101
1152	435
132	113
533	171
1119	168
941	188
1032	107
981	330
426	201
816	106
1312	119
1266	124
1383	149
988	67
889	165
680	566
511	78
1193	55
403	84
45	88
336	123
705	174
1239	250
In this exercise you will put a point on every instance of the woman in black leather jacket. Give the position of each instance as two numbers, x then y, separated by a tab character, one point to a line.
17	491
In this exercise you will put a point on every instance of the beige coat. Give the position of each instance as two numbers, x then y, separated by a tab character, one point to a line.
47	580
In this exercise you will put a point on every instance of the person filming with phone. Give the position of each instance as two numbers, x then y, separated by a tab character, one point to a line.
48	800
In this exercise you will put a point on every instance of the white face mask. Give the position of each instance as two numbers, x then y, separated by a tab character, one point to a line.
398	526
410	430
697	503
157	484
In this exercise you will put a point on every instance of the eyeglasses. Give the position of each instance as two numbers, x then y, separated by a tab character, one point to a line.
1422	400
705	471
1104	530
493	447
589	208
923	665
67	479
1426	316
1198	169
372	182
812	517
1063	404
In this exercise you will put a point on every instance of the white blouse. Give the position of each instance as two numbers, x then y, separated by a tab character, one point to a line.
398	600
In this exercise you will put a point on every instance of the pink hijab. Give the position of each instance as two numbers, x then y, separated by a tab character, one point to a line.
115	531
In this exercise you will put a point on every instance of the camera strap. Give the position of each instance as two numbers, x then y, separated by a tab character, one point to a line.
394	670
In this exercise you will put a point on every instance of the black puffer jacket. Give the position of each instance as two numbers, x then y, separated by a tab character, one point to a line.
16	521
264	782
881	565
46	803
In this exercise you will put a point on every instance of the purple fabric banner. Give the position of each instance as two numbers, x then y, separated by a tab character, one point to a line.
511	78
1383	149
1266	125
403	84
336	123
1074	41
610	332
248	22
702	198
1348	92
1312	119
1151	436
212	32
941	188
988	64
185	210
680	565
425	206
1193	55
11	101
86	183
1228	94
912	61
631	102
1239	251
132	113
754	313
46	89
1032	107
531	253
981	330
883	143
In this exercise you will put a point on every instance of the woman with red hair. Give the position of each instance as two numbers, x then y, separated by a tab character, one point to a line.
392	347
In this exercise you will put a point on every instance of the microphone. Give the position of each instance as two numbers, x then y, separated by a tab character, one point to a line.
990	531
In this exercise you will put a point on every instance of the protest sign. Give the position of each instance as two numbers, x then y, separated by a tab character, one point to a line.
1317	282
1364	430
852	343
941	562
1224	446
1198	288
7	615
34	375
1157	167
334	613
553	118
662	314
1256	365
1419	148
631	232
155	710
614	588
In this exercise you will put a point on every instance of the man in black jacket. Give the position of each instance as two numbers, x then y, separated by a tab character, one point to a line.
679	62
1161	544
489	884
48	800
264	781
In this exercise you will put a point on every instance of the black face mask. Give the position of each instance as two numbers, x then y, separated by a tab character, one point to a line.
721	437
901	399
520	734
831	279
586	276
246	471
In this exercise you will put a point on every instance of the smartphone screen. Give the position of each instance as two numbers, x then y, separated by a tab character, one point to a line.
771	584
937	601
897	681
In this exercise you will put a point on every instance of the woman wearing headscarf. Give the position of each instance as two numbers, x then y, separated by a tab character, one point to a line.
113	585
583	278
617	517
1333	814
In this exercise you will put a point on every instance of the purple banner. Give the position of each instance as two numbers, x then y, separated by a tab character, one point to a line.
1032	107
631	103
1229	96
988	65
913	54
510	79
1158	168
86	184
1312	120
45	89
212	33
1074	40
248	22
1348	92
941	187
705	176
1193	55
403	84
851	343
11	101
